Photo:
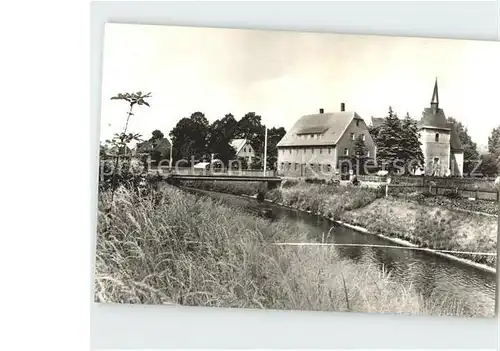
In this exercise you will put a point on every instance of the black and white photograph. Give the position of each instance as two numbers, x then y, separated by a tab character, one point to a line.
287	170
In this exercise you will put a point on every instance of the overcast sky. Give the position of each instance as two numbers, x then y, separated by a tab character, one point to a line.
284	75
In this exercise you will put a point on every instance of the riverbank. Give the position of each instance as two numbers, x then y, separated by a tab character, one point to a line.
426	226
188	250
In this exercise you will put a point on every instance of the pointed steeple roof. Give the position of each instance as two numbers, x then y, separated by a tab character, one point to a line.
434	117
435	96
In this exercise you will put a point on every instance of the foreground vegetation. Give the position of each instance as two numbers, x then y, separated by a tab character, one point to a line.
179	248
421	220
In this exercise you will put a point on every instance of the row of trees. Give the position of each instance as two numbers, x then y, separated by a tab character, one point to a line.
398	139
398	143
491	161
395	139
488	163
195	137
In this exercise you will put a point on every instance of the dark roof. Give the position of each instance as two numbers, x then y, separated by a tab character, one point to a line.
146	146
377	121
161	145
331	126
434	118
113	151
455	143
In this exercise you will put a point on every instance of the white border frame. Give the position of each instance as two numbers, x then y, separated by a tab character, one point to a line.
129	326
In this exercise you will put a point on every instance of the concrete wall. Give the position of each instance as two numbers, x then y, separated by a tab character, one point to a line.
457	164
432	149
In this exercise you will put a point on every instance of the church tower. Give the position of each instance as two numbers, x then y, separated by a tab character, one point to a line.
435	132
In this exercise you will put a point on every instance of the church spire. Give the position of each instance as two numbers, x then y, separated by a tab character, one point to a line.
435	96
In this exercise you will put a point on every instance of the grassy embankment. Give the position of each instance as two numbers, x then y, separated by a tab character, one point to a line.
196	251
414	219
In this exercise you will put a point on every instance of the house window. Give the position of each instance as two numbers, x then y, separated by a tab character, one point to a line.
357	123
437	137
346	152
329	150
244	149
329	168
290	151
353	136
296	166
363	137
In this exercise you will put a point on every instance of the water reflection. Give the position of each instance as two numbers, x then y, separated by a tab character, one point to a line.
436	278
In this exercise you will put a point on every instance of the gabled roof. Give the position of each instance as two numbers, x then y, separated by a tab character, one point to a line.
331	126
377	121
238	144
113	151
160	145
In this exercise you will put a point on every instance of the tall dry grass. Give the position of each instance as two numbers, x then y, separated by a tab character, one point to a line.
182	249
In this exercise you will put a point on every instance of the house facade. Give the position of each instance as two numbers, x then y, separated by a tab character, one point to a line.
441	146
317	143
243	149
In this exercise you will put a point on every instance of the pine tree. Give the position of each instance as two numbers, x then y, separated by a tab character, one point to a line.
494	142
389	142
471	155
360	154
412	148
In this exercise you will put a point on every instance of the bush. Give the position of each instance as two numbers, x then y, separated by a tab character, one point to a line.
451	194
287	183
128	173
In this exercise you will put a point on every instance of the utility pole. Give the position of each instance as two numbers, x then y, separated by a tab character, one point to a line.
211	162
265	150
170	162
